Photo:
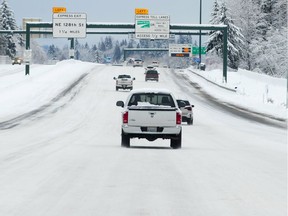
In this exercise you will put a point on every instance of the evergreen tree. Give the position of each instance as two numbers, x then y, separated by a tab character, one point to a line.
77	49
7	22
123	43
108	43
279	14
53	52
215	13
245	14
264	26
184	39
117	53
102	46
235	38
264	21
214	44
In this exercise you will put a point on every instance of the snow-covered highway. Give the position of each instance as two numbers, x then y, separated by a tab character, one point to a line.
67	160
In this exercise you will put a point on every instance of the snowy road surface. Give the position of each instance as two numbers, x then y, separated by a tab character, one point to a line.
68	160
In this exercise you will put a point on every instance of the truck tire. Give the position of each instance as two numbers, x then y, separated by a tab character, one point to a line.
176	142
125	140
190	121
116	88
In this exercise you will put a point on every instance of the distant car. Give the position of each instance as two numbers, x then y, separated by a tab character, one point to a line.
202	66
124	81
152	75
155	63
17	60
138	63
187	111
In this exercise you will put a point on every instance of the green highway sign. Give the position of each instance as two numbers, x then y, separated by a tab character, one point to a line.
195	50
143	23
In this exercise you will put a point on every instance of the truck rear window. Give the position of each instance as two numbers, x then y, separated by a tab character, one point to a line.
146	99
124	76
152	72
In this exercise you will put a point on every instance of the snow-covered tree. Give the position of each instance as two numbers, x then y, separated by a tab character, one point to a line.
7	22
102	46
184	39
215	41
108	43
264	26
96	54
53	52
235	37
117	53
38	54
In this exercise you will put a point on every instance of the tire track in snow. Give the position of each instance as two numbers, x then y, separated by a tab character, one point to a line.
70	92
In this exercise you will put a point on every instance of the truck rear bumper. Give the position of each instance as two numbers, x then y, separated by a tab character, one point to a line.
124	86
159	132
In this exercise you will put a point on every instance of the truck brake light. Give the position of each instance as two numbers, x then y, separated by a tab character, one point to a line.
125	117
178	118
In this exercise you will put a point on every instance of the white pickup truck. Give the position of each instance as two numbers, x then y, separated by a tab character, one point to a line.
124	81
151	114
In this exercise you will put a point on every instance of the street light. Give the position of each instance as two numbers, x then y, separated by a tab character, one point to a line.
200	19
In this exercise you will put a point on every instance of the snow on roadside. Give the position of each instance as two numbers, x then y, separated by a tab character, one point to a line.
20	94
257	92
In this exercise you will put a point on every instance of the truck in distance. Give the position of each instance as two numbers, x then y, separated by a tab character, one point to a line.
124	81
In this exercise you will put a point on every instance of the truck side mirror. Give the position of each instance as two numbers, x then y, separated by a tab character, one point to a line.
120	103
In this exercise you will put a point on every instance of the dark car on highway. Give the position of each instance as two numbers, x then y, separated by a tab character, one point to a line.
152	75
187	111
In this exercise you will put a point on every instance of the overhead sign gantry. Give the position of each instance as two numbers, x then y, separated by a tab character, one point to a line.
158	27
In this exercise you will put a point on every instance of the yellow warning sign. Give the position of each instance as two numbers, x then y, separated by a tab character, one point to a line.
59	10
141	11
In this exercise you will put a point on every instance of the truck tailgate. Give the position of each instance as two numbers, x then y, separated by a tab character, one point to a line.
160	117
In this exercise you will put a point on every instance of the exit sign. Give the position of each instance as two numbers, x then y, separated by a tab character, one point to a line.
69	25
195	50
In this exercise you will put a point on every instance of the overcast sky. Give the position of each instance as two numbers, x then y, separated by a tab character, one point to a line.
180	12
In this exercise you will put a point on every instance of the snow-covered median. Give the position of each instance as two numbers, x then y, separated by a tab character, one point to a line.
20	94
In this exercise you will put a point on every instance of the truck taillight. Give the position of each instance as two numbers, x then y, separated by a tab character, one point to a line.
125	117
178	118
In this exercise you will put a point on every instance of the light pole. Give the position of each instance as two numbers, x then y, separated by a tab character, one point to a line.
200	19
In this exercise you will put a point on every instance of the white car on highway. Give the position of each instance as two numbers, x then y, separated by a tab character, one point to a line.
124	81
